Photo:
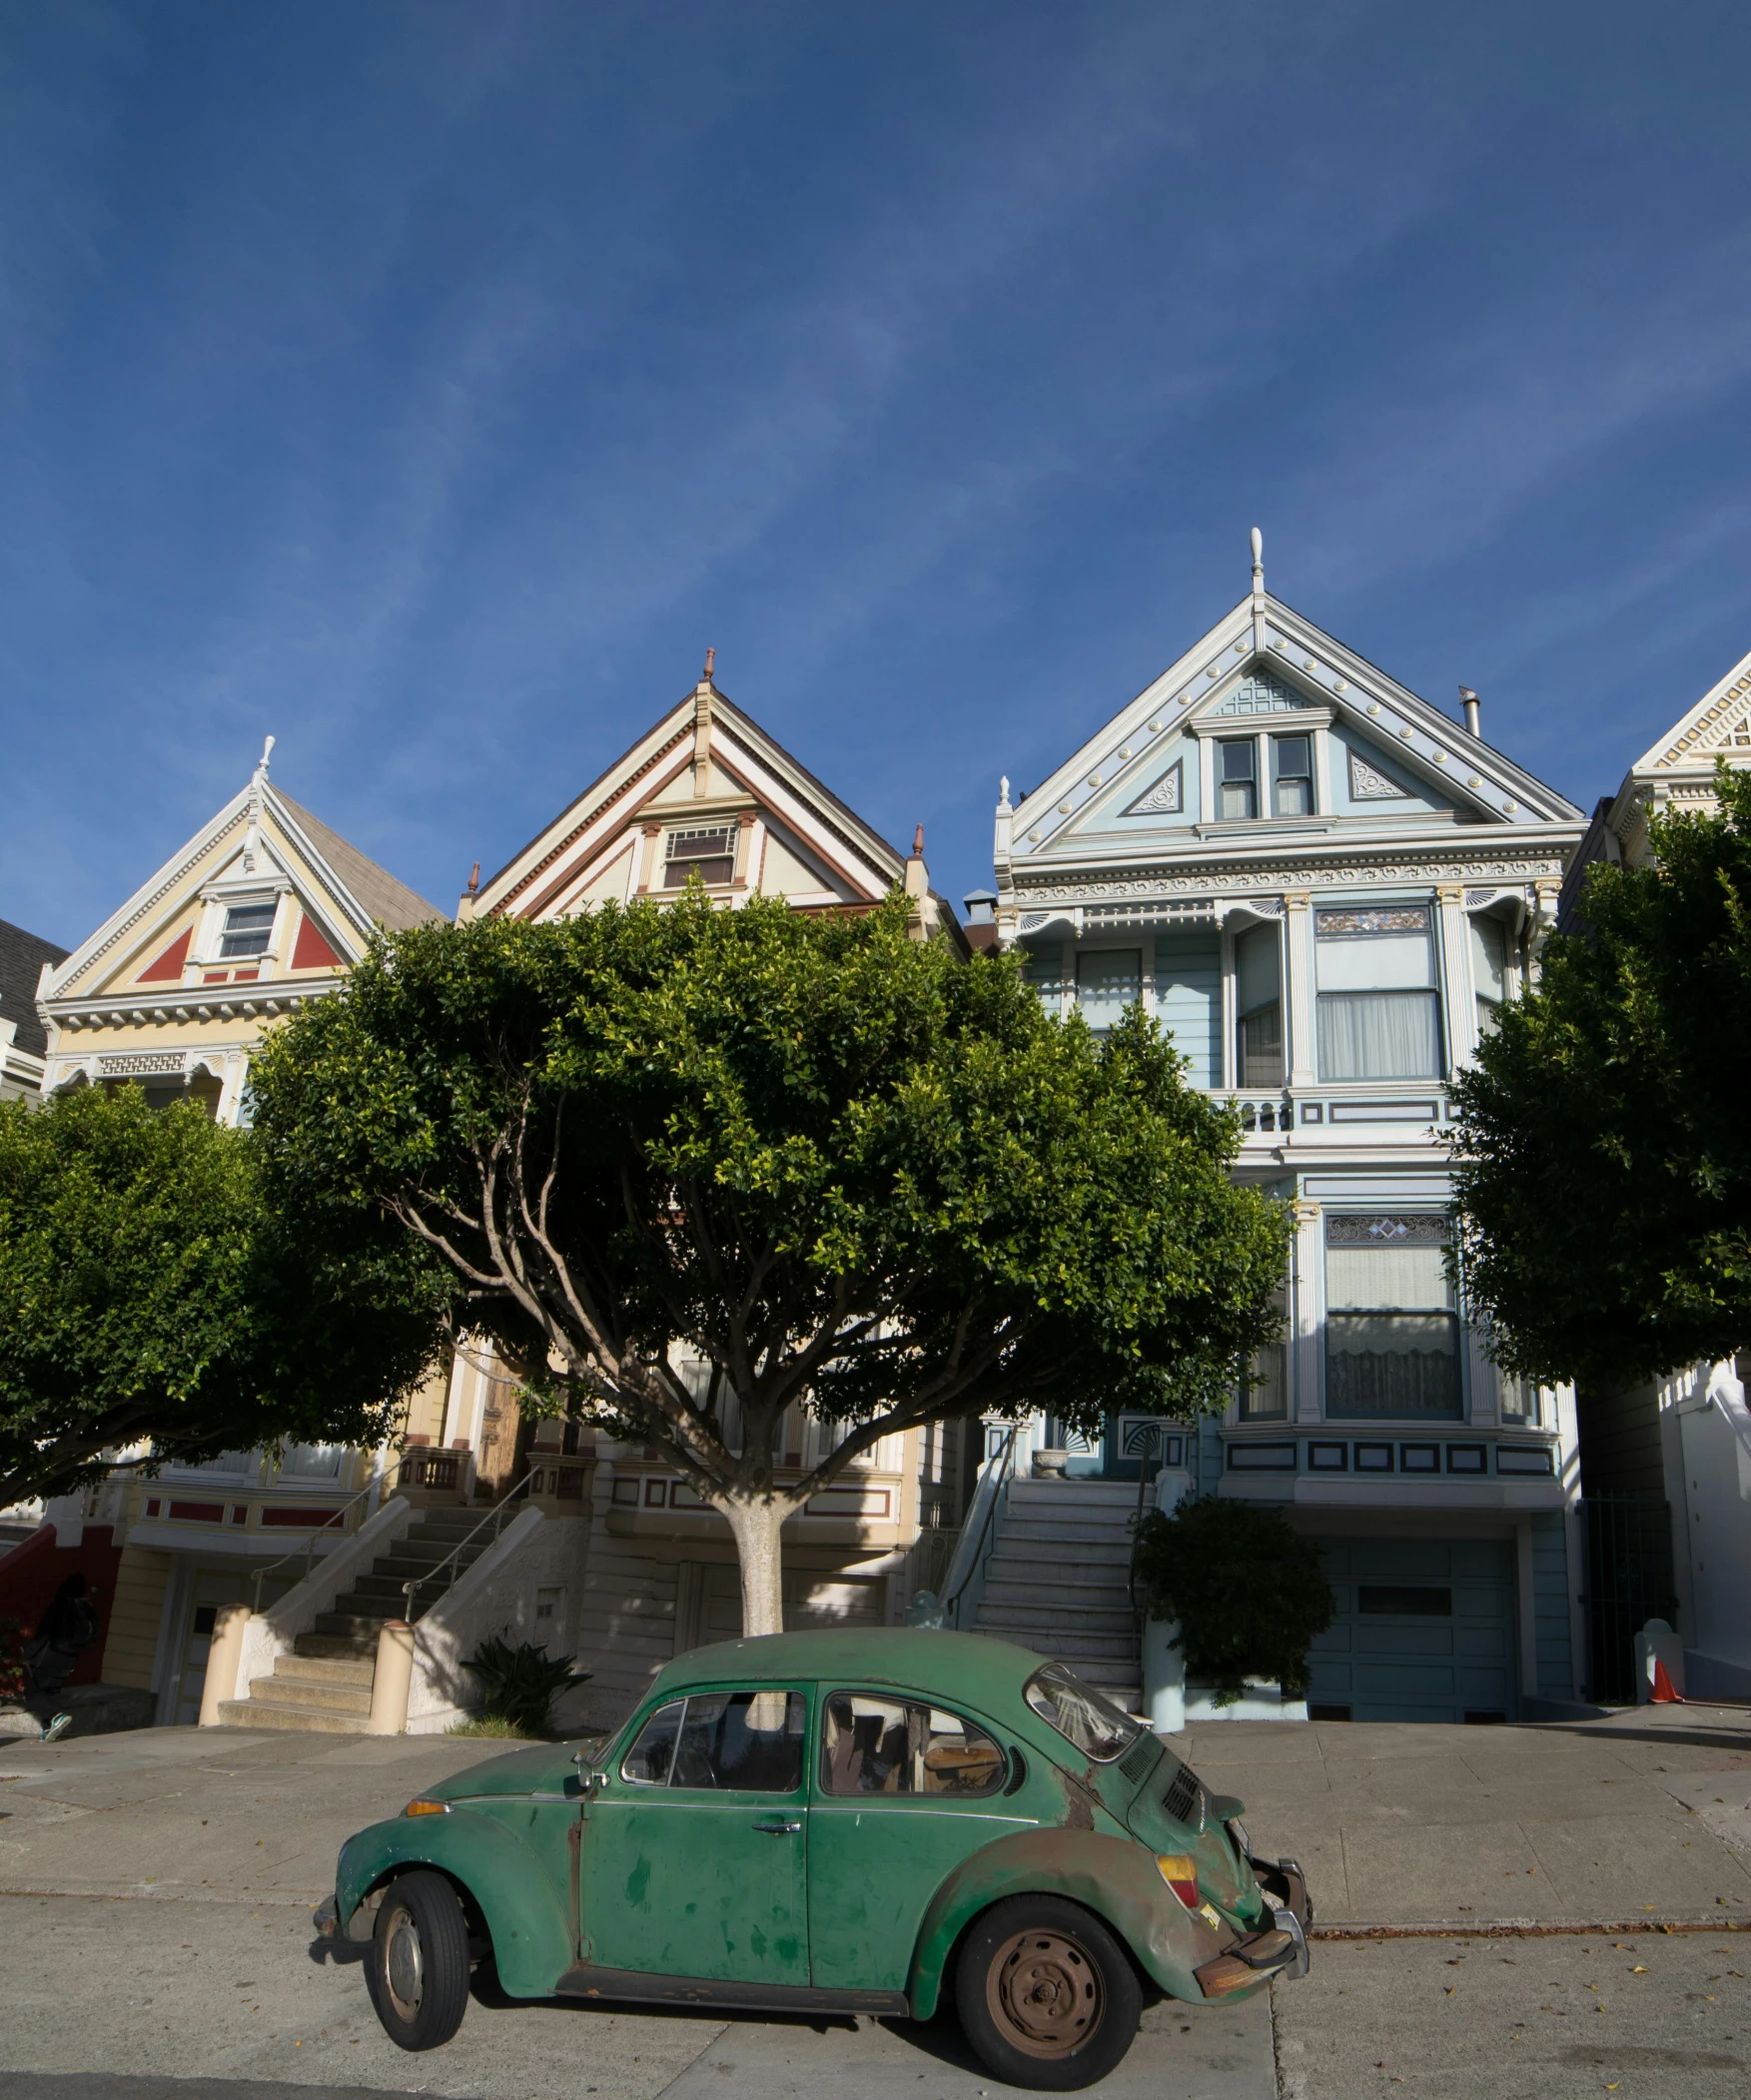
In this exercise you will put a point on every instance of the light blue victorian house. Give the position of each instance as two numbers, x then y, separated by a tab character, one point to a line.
1323	886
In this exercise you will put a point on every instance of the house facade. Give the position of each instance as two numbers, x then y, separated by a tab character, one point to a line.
23	959
1667	1466
1323	886
263	909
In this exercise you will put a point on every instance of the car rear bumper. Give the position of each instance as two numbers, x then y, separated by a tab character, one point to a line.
1280	1949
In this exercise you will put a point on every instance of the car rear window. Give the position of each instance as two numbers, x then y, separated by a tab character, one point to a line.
872	1742
1077	1711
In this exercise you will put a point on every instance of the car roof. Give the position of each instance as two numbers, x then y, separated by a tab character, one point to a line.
951	1667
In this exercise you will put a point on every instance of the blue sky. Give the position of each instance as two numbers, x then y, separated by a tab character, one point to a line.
429	385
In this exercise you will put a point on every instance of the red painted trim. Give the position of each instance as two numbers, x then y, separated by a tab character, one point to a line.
304	1519
196	1512
310	951
168	967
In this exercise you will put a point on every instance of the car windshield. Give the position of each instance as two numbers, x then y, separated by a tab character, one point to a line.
1079	1715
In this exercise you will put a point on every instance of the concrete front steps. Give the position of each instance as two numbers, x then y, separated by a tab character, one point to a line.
1057	1582
323	1687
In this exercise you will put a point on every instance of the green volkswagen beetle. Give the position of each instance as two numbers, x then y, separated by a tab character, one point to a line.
853	1821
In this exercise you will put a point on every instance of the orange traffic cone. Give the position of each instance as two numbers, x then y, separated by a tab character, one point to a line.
1664	1694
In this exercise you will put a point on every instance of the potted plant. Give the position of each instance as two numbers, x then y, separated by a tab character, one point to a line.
1240	1596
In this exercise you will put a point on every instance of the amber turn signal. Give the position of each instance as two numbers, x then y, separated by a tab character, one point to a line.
1179	1873
425	1807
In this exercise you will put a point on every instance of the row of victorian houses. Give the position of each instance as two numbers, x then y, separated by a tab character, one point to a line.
1322	884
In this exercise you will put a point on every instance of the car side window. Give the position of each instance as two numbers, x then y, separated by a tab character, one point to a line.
730	1741
649	1762
876	1745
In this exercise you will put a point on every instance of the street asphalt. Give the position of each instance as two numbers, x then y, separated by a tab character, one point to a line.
155	1943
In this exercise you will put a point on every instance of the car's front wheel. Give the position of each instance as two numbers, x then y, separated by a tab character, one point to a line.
1047	1995
420	1961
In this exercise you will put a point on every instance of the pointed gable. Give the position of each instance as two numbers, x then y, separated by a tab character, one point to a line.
1718	727
1384	754
705	790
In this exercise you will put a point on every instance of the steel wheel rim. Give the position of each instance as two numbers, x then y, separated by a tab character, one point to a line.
1045	1993
404	1966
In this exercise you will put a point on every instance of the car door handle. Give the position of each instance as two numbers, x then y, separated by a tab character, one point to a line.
781	1829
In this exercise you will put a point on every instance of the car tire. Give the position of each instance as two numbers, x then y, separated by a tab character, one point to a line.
418	1966
1047	1994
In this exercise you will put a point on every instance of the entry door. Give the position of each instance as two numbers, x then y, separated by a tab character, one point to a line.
696	1859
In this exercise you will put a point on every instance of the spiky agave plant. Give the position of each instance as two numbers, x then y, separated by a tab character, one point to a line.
519	1684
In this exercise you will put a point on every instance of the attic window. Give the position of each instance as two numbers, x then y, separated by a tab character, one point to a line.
707	853
247	930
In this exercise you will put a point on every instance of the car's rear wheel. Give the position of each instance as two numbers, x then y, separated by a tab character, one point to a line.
420	1961
1047	1995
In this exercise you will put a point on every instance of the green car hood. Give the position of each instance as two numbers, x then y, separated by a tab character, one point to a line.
545	1767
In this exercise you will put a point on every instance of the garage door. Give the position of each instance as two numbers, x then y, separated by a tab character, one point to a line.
1425	1631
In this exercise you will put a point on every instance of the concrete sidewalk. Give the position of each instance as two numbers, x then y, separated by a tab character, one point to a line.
1642	1817
154	1899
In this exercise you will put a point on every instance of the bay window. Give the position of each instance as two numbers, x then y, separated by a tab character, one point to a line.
1392	1319
1106	982
1264	1388
1258	1007
1489	968
1378	1013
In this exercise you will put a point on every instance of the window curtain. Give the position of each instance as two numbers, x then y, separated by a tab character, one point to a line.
1188	983
1106	982
1391	1336
1378	1035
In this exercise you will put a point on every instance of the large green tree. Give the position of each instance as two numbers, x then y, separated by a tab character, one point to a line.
1604	1187
692	1168
151	1302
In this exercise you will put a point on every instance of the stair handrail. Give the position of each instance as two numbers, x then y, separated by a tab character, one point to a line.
333	1516
977	1526
494	1516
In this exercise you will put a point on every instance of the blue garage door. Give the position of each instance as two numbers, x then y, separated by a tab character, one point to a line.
1425	1631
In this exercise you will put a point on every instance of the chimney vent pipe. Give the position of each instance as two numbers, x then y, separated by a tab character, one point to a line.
1468	700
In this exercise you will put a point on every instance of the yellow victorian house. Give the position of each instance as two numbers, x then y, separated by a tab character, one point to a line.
263	909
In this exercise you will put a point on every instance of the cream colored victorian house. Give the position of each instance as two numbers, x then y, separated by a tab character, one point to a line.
262	910
1666	1468
707	793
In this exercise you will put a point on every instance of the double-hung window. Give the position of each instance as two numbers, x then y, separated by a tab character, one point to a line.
248	928
1291	777
1391	1322
1237	779
1380	1015
709	853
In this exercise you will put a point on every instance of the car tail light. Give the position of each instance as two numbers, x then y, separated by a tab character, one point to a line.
425	1807
1179	1873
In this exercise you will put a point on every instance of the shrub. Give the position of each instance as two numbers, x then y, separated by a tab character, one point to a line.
519	1684
1249	1593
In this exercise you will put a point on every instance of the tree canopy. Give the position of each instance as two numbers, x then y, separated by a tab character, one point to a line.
692	1168
1604	1183
149	1295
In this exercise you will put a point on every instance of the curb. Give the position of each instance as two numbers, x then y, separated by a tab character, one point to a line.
1528	1928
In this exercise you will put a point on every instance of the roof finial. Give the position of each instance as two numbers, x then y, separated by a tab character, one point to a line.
1257	562
918	843
1003	792
711	659
474	880
267	753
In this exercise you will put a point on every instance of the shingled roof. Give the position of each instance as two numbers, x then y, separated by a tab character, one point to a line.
22	956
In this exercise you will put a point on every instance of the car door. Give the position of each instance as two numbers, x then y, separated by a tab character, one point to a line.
695	1846
903	1790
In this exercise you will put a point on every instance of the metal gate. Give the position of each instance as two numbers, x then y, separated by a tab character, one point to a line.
1629	1581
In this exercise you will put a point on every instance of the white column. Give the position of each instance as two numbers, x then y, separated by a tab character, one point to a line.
1307	1306
1457	993
1298	991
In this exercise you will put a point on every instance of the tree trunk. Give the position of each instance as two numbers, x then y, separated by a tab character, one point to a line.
754	1522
